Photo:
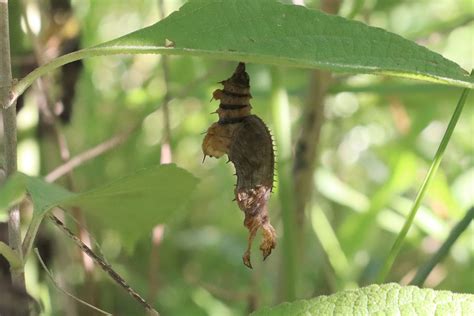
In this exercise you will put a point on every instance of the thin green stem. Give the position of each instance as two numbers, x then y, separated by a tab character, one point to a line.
457	230
424	187
56	285
281	121
10	255
31	234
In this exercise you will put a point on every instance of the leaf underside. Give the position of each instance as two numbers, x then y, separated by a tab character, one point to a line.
386	299
269	32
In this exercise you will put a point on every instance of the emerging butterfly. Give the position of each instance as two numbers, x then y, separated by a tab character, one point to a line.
247	142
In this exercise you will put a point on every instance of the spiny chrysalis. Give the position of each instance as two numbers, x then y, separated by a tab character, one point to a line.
247	142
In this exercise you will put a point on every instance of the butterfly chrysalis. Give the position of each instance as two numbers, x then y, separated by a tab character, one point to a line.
247	142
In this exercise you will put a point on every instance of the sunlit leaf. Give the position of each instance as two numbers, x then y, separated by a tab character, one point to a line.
386	299
269	32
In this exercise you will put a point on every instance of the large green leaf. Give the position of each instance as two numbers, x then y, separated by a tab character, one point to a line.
386	299
131	205
268	32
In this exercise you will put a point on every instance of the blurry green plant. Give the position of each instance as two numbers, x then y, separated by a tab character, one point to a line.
265	32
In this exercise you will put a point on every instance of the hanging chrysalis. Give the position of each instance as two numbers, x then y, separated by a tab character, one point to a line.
247	142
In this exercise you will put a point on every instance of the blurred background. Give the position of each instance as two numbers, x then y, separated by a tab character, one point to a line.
352	151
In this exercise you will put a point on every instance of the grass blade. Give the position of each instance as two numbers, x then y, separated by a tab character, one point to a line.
424	187
457	230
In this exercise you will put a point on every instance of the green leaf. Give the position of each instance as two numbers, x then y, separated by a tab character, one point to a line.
269	32
386	299
133	205
12	192
45	195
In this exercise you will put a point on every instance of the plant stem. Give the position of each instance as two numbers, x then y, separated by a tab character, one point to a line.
10	255
30	235
424	187
9	133
281	121
457	230
307	145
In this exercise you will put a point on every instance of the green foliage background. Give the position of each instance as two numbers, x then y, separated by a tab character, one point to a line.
377	142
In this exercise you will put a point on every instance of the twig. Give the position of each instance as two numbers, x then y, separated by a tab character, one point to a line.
307	145
88	155
10	141
56	285
154	261
457	230
104	265
165	142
